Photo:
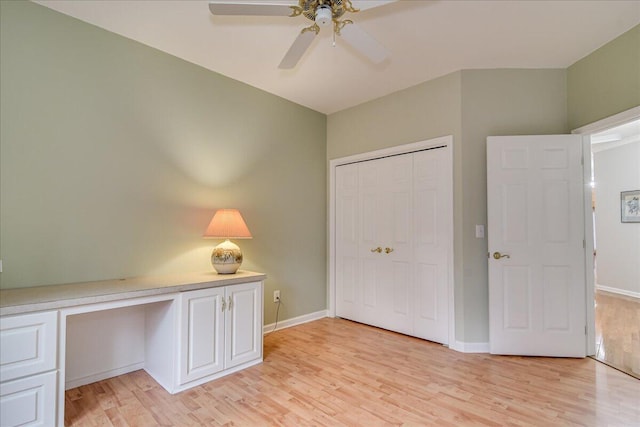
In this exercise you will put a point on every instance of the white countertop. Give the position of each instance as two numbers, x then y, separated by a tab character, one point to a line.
27	300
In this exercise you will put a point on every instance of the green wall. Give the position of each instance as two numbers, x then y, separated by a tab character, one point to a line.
470	105
114	157
606	82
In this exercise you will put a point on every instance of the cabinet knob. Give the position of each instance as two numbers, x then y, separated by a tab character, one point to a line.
224	304
230	303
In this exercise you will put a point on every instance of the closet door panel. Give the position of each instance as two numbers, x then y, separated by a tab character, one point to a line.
347	240
432	219
398	244
371	178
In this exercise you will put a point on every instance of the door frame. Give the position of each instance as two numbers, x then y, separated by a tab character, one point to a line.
444	141
587	130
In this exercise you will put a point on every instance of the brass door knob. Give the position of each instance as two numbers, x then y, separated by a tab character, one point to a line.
388	250
498	255
378	249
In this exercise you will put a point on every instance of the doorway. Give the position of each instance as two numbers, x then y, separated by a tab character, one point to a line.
615	160
612	304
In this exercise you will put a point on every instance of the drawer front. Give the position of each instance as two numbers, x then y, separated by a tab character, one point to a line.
29	401
28	344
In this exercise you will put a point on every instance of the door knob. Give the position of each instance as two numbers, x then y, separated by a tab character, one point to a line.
498	255
388	250
378	249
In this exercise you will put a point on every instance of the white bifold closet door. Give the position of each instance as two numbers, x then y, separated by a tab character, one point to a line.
393	219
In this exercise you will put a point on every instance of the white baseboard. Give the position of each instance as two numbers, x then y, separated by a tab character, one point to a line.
618	291
295	321
470	347
73	383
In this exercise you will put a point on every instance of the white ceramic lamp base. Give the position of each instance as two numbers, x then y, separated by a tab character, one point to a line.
226	257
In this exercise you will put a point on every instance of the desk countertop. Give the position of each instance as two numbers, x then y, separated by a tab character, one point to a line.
27	300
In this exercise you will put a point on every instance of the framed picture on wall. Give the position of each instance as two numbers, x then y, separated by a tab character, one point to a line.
630	206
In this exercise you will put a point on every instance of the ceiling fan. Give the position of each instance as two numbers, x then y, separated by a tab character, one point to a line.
323	13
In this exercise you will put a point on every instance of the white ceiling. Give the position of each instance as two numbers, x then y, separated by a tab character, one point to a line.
426	39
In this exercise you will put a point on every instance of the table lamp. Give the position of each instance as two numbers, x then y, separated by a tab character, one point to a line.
227	224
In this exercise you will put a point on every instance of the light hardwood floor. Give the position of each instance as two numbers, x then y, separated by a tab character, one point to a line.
618	331
334	372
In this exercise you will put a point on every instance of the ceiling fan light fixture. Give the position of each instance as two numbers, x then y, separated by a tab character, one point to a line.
323	13
324	16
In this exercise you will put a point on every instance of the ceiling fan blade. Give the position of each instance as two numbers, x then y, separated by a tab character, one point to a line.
297	49
364	43
370	4
248	7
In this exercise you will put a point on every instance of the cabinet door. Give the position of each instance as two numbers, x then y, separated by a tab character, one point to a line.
201	333
29	401
243	337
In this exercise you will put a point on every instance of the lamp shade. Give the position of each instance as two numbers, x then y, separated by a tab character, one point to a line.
227	224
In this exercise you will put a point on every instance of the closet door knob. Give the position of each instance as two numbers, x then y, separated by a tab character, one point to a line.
388	250
378	249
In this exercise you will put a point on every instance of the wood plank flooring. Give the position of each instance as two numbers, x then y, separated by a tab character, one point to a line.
618	331
334	372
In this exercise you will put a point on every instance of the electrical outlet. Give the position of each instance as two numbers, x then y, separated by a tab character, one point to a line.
276	296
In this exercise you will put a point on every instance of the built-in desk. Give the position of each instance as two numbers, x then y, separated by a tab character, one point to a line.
184	330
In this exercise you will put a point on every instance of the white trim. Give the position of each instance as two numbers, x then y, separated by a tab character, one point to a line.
305	318
609	122
470	347
589	279
618	291
446	141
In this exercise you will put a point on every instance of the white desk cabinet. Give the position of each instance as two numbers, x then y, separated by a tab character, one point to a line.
195	328
220	329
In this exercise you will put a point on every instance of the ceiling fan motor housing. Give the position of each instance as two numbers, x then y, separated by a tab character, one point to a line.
324	16
311	8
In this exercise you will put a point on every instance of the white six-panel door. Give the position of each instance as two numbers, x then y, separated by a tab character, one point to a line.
536	237
393	218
